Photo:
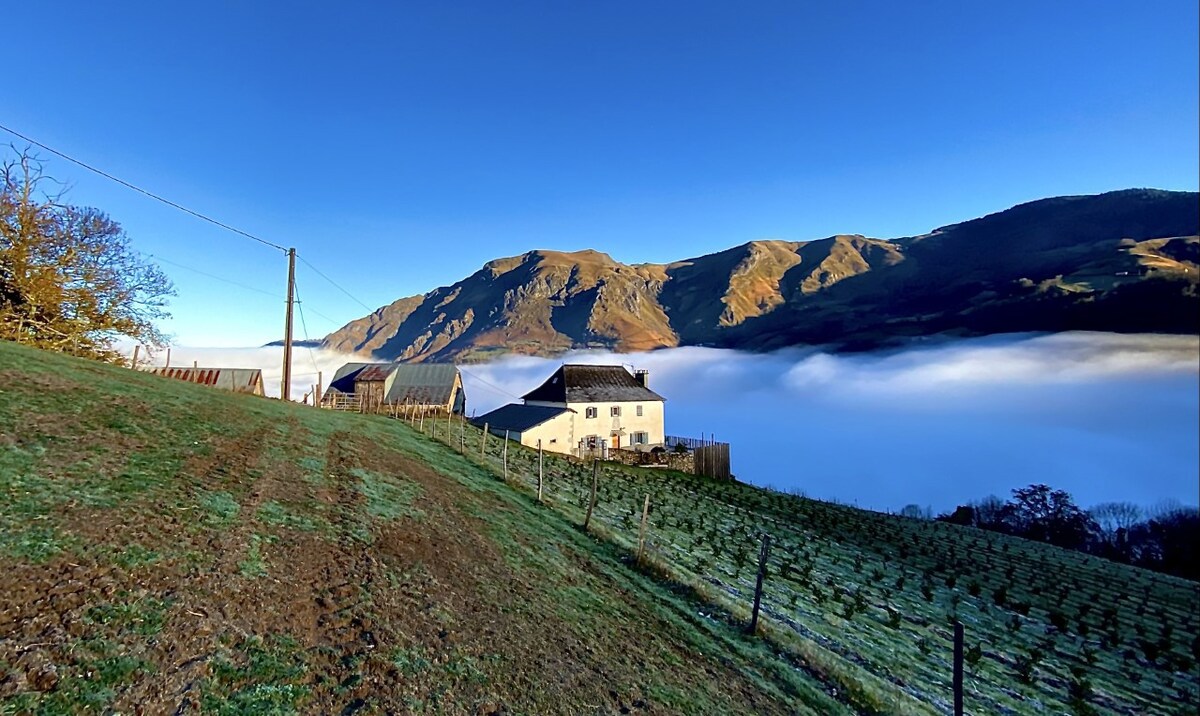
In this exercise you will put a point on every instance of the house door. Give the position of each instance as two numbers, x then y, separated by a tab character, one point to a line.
616	441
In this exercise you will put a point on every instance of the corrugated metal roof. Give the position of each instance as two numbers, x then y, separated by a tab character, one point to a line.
591	384
240	380
519	418
420	383
374	372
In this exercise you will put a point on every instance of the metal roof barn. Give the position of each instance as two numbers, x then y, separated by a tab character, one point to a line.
238	380
427	385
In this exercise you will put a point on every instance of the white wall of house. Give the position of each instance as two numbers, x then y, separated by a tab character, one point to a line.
648	426
556	434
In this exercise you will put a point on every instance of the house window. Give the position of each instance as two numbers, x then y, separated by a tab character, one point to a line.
639	411
591	412
615	411
641	438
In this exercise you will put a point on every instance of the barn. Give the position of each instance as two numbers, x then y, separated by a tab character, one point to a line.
237	380
374	387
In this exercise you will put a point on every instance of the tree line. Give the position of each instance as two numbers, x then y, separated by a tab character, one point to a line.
1165	537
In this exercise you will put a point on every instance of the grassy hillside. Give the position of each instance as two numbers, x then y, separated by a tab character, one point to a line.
867	601
169	545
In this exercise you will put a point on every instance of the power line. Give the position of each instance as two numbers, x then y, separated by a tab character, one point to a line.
493	385
209	275
336	285
304	327
140	190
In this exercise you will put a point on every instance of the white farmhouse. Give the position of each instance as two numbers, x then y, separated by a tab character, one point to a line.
584	408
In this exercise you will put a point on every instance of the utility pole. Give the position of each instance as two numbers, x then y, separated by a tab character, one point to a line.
285	390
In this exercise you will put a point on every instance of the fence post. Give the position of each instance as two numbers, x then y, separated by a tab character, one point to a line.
539	470
504	456
462	434
422	423
642	530
449	415
958	668
483	442
592	500
136	349
758	585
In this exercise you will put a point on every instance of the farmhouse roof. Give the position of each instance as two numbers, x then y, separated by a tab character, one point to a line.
591	384
519	418
240	380
421	383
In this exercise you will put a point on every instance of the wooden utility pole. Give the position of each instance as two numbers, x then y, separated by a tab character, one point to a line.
642	530
592	500
958	668
539	470
763	552
285	389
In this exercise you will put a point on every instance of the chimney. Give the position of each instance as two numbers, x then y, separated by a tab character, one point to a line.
642	377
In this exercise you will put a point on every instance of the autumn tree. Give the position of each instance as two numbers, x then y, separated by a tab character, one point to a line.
69	279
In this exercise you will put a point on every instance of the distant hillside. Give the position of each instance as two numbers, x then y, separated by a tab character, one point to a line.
171	548
1125	261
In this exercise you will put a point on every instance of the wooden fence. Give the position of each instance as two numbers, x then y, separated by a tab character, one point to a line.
712	461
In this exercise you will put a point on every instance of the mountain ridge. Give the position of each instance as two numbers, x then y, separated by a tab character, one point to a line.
1123	261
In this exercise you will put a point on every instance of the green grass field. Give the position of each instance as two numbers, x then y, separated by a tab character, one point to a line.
170	546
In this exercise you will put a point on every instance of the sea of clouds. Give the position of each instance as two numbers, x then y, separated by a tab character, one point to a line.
1103	416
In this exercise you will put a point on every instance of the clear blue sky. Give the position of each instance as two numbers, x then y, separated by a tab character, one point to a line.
400	146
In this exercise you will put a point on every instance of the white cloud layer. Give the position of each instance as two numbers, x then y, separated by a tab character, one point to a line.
1104	416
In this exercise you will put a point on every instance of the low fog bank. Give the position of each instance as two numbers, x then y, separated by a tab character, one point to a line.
1103	416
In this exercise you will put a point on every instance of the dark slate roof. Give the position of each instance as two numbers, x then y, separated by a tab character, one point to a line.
591	384
422	383
518	418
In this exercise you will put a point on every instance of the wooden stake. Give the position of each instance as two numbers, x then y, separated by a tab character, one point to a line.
483	442
168	365
136	350
958	668
504	456
763	552
320	386
462	434
539	470
642	530
592	500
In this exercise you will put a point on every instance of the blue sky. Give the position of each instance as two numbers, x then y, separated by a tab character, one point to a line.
400	148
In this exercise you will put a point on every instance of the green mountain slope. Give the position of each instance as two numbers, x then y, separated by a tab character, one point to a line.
1121	261
167	545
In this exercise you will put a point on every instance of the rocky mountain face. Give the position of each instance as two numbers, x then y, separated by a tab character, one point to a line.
1122	261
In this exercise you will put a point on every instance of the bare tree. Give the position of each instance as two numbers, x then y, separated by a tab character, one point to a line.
69	279
1114	516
